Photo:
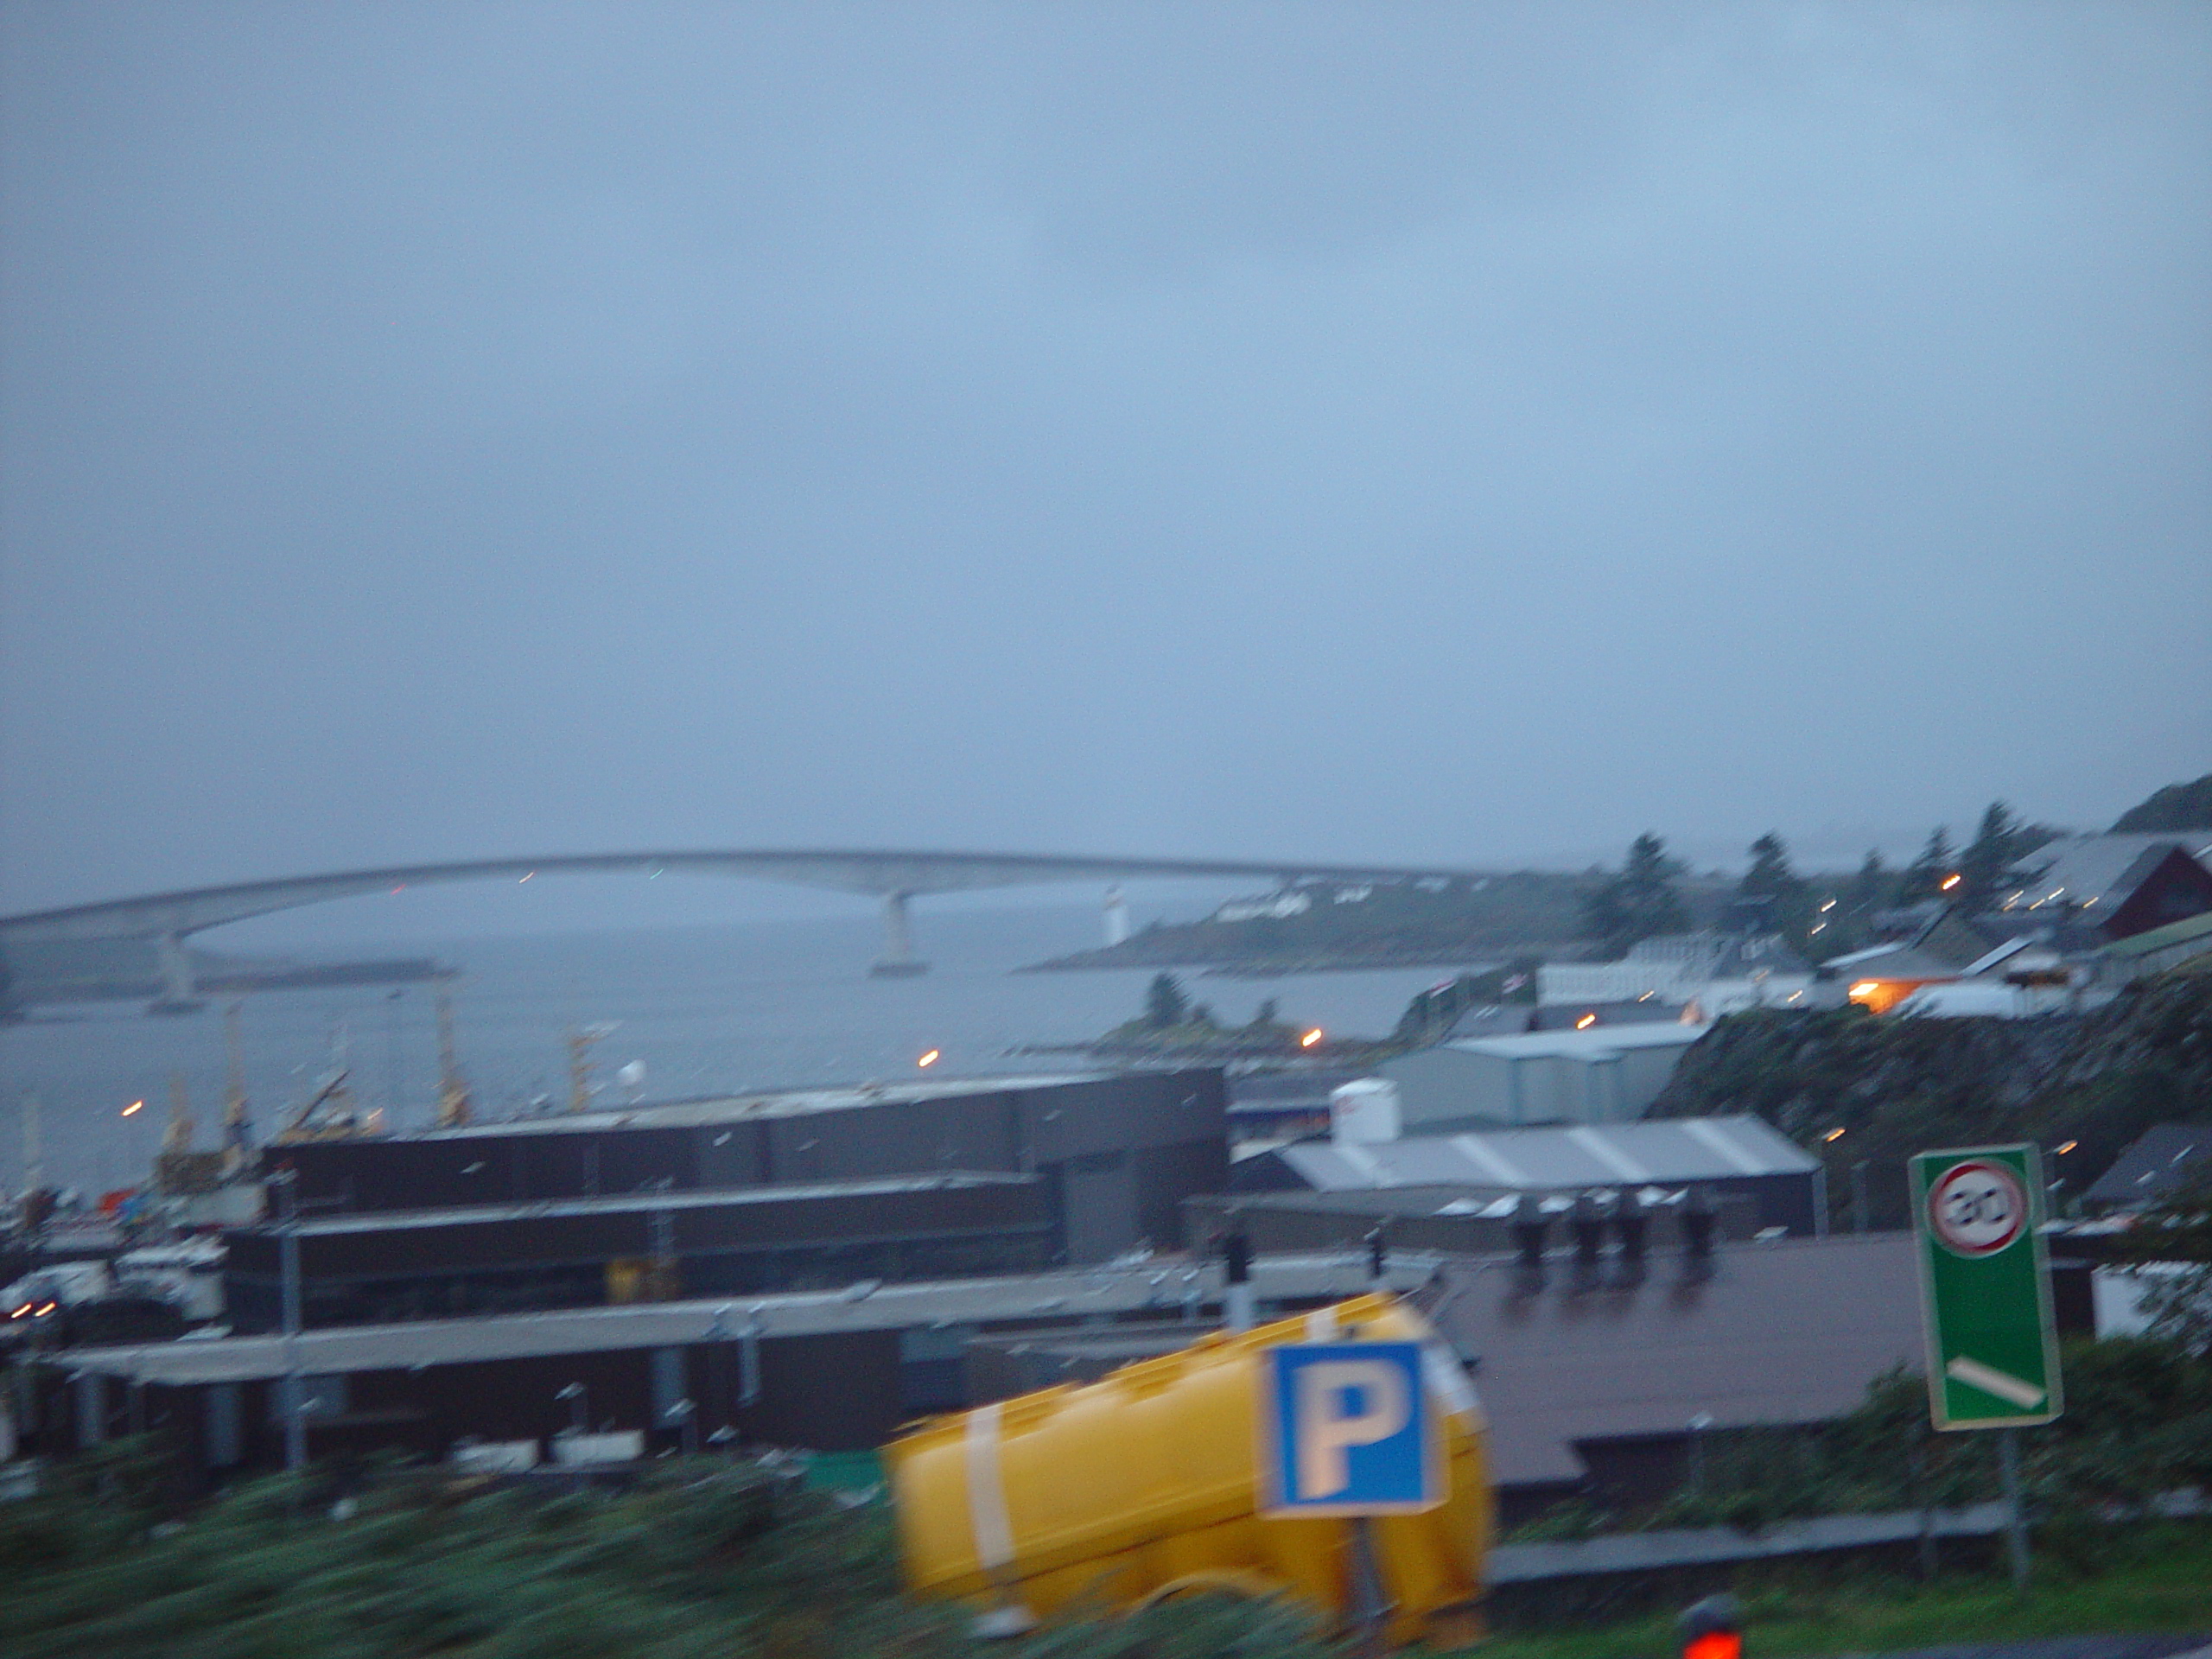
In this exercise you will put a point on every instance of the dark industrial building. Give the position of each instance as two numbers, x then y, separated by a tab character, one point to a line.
1116	1152
421	1264
737	1196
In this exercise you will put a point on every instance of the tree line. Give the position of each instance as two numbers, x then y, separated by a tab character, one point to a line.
1820	917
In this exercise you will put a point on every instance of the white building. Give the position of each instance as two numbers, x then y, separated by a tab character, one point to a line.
1722	973
1608	1074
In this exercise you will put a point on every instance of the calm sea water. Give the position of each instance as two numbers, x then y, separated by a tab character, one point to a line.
735	1007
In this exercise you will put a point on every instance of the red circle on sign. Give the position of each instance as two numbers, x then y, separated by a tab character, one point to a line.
1977	1208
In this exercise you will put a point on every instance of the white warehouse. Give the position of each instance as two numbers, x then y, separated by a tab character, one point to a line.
1608	1074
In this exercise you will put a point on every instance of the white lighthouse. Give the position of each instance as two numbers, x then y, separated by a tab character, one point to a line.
1117	916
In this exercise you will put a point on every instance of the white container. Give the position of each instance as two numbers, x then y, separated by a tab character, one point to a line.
495	1457
615	1446
1364	1110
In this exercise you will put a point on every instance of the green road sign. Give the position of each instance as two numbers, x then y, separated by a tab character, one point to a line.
1985	1291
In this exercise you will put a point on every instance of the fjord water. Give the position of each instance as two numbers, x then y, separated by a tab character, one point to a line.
726	1009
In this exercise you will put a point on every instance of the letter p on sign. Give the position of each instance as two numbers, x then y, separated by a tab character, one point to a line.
1343	1404
1345	1429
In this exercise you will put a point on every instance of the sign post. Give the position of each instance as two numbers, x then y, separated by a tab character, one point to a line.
1346	1430
1992	1349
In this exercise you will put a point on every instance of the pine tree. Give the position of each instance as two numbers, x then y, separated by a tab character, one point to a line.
1871	888
1640	901
1924	877
1164	1004
1775	889
1845	921
1992	863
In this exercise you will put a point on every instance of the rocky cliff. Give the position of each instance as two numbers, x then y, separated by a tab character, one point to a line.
1897	1086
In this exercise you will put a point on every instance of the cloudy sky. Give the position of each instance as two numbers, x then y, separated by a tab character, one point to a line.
1462	433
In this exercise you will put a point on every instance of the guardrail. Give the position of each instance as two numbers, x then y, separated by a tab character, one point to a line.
1601	1574
1648	1551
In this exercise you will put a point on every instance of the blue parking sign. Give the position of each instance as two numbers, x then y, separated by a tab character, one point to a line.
1345	1429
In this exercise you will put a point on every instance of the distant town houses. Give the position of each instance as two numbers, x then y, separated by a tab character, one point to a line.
2096	912
1722	973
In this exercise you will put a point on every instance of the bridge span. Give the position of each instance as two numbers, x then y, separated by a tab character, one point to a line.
163	920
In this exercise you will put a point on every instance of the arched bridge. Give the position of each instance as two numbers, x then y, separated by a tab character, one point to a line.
163	920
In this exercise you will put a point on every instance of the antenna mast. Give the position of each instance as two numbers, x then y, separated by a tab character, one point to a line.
581	1041
177	1137
237	1125
452	1088
34	1145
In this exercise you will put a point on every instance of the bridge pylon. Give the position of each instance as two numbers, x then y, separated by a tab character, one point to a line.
179	993
898	960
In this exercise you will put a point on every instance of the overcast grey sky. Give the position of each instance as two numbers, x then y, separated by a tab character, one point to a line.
1454	434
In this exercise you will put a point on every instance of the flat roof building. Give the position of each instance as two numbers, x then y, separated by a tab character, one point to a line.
1739	1154
1607	1074
377	1268
831	1370
1592	1395
1117	1152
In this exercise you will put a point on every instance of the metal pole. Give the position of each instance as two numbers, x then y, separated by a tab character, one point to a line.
33	1146
665	1267
1237	1310
1918	1468
2016	1520
288	1244
748	1363
394	1079
1370	1612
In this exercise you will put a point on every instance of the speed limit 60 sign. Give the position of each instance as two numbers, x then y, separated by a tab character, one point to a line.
1992	1352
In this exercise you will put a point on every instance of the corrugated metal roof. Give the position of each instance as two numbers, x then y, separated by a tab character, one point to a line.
1660	1150
1593	1043
795	1102
1107	1288
384	1221
2101	869
2161	938
2159	1161
1899	961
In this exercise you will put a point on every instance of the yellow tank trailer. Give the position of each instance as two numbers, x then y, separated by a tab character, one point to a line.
1146	1484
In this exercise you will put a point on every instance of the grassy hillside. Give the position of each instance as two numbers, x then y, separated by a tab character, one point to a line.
707	1562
